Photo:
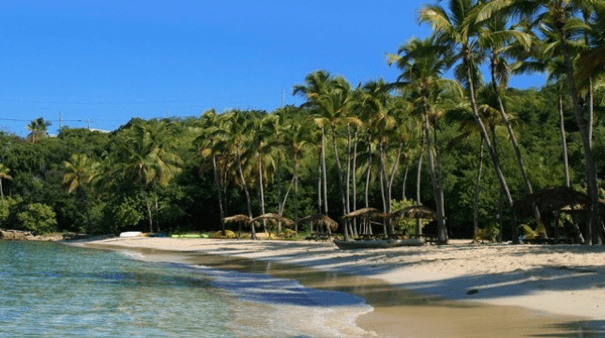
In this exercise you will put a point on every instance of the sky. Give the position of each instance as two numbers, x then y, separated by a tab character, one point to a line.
97	64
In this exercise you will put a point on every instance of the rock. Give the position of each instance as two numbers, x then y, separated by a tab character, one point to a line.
16	235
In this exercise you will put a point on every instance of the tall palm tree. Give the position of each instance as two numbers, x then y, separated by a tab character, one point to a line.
421	64
208	145
238	129
453	28
146	154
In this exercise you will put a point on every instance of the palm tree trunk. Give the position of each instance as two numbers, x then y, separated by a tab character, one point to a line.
220	197
418	182
295	192
319	175
323	164
593	230
280	205
146	202
564	139
369	172
261	187
405	179
477	190
354	204
243	181
490	148
441	230
340	182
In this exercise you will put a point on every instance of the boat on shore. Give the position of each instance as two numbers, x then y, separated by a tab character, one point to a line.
379	243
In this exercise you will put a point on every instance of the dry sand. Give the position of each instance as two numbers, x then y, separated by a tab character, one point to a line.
514	290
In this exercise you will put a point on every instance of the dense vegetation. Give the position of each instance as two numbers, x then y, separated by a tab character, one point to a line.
423	138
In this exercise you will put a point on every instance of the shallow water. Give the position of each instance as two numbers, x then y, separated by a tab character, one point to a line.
53	290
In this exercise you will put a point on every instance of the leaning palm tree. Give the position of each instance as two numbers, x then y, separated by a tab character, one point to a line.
453	28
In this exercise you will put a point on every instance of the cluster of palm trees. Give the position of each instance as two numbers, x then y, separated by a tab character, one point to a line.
517	36
144	157
376	127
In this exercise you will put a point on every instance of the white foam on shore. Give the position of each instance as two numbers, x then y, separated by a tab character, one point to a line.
291	307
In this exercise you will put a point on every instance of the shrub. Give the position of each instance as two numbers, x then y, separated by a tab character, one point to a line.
38	218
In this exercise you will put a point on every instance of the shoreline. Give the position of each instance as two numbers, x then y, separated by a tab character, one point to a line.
556	287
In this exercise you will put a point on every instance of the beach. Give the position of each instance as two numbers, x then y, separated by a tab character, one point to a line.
470	289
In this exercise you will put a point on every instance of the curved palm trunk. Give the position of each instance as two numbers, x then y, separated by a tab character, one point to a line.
280	206
319	180
354	205
490	148
405	179
593	230
563	139
368	172
477	190
220	197
144	195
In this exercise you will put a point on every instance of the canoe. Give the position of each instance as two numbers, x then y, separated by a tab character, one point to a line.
131	234
379	243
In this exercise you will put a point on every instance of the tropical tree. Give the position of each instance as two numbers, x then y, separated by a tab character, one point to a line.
146	153
4	174
38	129
563	15
453	28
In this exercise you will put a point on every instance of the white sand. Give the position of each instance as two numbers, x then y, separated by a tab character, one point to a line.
562	279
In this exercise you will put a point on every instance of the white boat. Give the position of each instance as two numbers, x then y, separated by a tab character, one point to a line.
131	234
379	243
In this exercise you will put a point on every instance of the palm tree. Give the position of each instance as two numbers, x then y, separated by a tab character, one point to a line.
79	170
238	128
562	14
208	145
317	84
421	66
4	174
146	153
454	29
38	129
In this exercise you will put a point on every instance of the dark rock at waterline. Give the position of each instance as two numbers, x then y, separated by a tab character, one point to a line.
18	235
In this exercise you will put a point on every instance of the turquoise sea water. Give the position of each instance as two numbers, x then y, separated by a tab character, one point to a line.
52	290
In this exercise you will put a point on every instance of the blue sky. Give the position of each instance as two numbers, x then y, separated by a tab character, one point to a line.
100	63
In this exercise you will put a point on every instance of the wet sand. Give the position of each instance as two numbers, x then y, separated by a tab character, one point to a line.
398	312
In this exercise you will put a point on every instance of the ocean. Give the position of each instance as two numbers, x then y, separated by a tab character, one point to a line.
53	290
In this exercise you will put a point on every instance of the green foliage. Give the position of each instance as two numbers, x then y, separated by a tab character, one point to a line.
123	215
489	233
407	225
9	207
38	218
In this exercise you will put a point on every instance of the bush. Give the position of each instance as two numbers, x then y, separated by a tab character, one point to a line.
8	210
38	218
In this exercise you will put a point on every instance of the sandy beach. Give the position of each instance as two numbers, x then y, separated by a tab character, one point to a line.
468	289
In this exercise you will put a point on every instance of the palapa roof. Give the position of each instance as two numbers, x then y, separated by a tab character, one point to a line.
415	211
320	219
551	199
237	219
273	218
365	212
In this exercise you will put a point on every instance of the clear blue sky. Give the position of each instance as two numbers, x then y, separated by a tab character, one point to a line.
104	62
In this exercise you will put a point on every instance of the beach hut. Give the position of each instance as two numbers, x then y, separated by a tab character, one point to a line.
322	223
239	219
554	200
418	212
366	214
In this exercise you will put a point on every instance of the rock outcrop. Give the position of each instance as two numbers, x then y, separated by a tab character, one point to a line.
16	235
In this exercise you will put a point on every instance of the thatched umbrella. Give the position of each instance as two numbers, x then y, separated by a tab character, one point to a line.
238	219
274	218
319	220
365	214
549	200
415	211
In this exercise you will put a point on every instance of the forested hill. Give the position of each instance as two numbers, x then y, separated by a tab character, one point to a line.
166	175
